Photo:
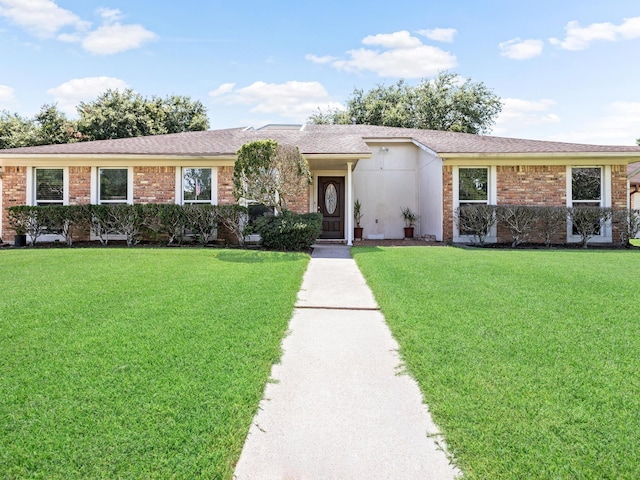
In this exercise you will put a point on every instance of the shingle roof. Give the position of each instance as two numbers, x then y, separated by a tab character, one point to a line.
313	139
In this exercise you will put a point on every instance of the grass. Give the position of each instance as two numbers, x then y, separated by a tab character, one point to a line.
142	363
529	360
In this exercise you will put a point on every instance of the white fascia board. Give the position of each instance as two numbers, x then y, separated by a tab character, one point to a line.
425	148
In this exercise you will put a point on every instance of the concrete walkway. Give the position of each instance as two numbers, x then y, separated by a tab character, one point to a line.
338	406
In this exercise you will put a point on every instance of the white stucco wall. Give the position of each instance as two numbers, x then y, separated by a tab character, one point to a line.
430	200
385	184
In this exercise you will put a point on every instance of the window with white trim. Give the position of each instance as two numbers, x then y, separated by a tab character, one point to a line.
473	188
113	185
586	188
49	186
196	185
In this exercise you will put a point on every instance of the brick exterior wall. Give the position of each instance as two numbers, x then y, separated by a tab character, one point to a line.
532	185
618	194
225	186
79	185
14	192
536	185
300	203
154	184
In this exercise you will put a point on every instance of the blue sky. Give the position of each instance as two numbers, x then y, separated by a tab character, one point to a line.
566	70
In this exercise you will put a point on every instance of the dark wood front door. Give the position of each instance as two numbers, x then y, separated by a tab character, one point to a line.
331	205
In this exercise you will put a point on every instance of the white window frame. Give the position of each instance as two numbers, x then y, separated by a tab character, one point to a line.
95	186
31	184
606	235
180	191
492	199
32	200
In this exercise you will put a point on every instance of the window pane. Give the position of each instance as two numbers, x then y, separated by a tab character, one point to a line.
473	184
196	184
586	183
49	184
113	184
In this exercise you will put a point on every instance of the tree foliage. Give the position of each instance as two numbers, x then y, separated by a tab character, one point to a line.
16	131
446	102
270	173
123	114
49	126
114	114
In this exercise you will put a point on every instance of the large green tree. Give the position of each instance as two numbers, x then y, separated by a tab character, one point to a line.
122	114
114	114
446	102
49	126
53	127
270	173
16	131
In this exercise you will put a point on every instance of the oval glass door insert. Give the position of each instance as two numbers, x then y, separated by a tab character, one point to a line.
330	199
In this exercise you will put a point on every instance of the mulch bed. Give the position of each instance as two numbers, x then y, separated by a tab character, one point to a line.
397	243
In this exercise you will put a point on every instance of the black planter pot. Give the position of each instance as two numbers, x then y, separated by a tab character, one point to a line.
357	233
19	240
408	232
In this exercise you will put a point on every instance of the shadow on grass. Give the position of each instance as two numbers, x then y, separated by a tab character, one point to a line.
238	256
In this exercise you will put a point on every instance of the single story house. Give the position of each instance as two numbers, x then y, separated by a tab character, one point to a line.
386	168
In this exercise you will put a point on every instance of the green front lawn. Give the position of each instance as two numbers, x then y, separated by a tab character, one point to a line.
145	363
529	360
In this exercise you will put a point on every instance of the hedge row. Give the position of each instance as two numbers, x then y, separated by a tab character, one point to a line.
159	222
526	223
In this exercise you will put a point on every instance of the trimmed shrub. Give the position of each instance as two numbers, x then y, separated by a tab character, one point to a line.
550	221
201	220
29	220
587	222
127	220
66	219
476	220
289	231
628	221
19	218
519	220
234	217
174	222
102	223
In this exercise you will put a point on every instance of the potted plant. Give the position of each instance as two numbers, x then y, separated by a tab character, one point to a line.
357	216
410	219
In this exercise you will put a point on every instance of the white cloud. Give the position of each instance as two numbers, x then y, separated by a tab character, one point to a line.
6	93
401	55
439	34
116	38
579	38
71	93
401	39
6	96
45	19
42	18
618	125
518	49
222	90
320	60
517	113
293	100
110	15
